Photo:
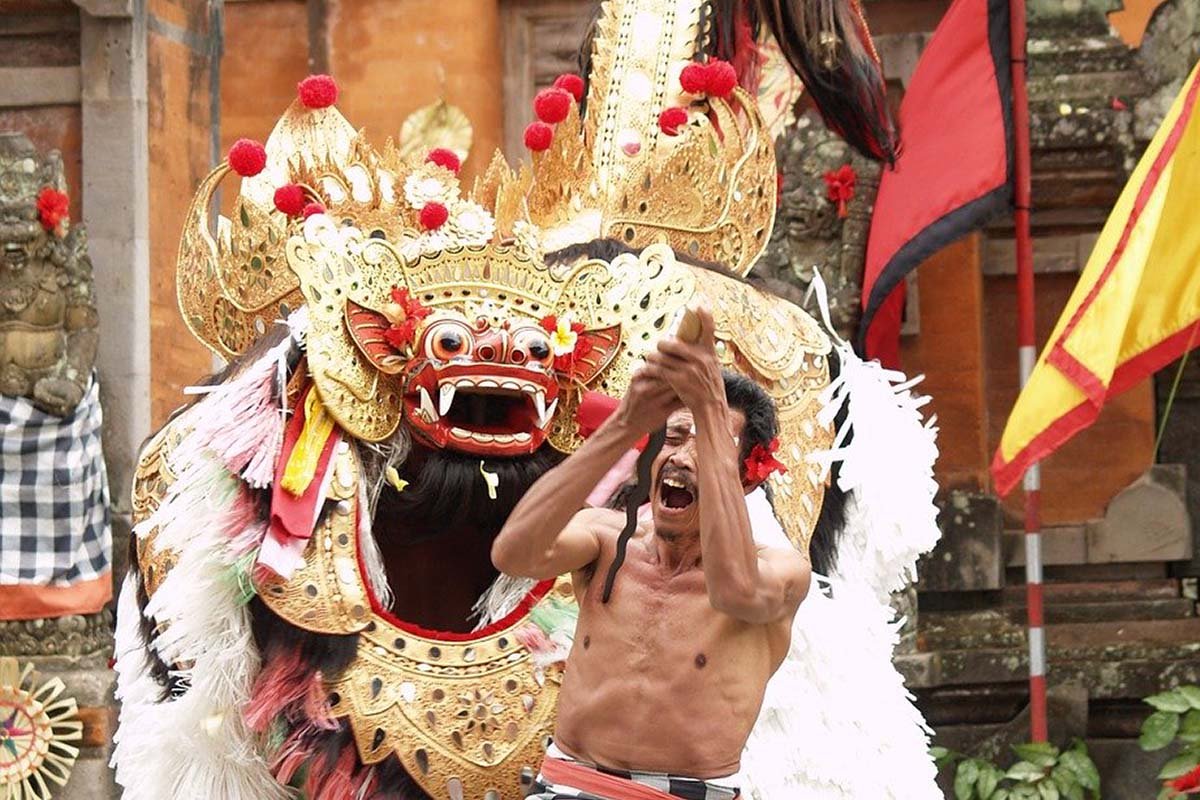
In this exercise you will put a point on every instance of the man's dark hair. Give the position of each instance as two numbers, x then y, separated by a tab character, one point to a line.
762	424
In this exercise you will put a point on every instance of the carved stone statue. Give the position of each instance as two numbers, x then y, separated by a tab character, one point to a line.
810	229
48	320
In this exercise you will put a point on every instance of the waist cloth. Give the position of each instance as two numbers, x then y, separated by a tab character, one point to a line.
566	778
55	535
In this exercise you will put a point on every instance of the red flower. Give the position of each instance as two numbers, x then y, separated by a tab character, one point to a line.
761	463
572	83
1185	783
839	185
672	119
552	105
318	91
434	216
444	157
538	136
567	362
53	207
405	314
247	157
290	199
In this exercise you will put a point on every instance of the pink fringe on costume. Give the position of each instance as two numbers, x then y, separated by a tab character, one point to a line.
293	754
335	781
243	423
283	685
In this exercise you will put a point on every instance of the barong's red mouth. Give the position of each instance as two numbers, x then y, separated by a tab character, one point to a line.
484	409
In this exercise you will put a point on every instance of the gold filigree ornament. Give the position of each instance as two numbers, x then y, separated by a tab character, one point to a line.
709	191
468	715
37	725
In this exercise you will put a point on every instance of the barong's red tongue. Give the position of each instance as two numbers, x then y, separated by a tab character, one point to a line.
594	409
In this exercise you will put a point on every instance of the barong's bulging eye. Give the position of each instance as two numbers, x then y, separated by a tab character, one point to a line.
447	339
531	345
449	342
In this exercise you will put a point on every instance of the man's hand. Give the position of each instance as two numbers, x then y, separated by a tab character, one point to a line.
648	403
690	368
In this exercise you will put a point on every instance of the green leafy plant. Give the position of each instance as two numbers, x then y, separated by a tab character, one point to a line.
1041	772
1175	721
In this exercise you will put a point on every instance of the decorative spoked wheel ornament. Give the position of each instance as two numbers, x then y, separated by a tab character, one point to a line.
36	726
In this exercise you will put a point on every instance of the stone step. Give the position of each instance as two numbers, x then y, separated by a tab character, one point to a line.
1118	591
954	631
1113	611
1130	659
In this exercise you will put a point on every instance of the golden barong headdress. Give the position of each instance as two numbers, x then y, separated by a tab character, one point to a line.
671	160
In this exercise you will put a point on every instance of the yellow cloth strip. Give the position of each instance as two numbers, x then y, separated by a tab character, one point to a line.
306	455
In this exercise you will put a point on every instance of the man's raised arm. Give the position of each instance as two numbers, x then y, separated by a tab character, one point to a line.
550	533
757	586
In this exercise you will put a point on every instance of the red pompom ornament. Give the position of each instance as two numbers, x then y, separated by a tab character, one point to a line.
694	79
311	209
538	136
672	119
571	83
444	158
318	91
434	216
247	157
552	105
720	78
290	199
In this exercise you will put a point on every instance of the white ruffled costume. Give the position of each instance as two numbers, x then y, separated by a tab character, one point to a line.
837	722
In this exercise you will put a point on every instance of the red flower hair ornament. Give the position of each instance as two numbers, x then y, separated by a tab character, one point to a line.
405	313
839	187
761	463
53	208
568	342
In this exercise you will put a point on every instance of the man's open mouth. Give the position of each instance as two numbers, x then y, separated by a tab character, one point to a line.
497	414
676	494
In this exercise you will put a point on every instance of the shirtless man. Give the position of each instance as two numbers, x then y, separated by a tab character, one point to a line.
665	681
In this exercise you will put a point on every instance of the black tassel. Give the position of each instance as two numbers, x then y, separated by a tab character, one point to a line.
826	42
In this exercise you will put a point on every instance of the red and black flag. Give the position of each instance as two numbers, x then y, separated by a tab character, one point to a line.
955	170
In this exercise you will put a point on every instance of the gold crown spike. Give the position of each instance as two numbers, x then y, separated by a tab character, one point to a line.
639	49
708	191
719	212
233	286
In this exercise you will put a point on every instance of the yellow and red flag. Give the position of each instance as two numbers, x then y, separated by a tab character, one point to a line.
1136	307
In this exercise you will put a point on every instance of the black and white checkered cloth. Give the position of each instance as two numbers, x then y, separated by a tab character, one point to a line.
54	516
674	785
